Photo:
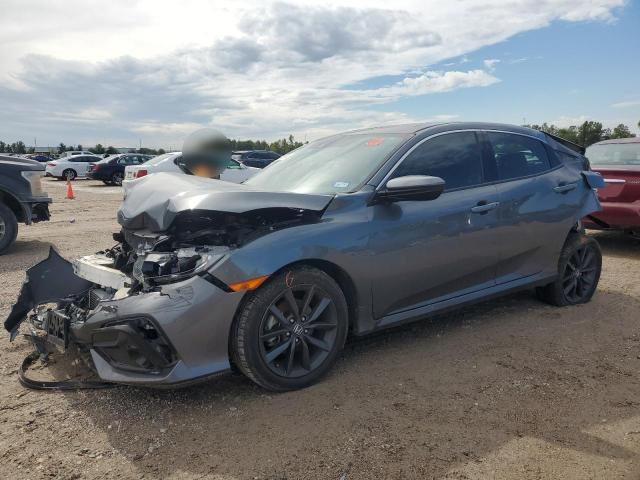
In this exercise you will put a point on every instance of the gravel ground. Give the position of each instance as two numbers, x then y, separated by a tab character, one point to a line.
511	388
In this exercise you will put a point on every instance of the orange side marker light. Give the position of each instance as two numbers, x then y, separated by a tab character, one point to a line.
251	284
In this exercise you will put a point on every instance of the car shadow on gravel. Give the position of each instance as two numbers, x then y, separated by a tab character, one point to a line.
417	399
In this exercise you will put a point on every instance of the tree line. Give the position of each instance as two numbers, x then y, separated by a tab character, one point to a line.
281	146
587	133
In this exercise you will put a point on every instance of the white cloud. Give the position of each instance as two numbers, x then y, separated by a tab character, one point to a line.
567	121
490	63
626	104
437	82
81	70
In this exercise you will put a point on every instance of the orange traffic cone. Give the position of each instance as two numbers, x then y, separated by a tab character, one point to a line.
69	190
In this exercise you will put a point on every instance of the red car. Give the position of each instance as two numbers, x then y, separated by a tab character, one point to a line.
619	163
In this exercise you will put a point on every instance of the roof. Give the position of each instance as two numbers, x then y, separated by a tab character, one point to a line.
413	128
402	128
619	140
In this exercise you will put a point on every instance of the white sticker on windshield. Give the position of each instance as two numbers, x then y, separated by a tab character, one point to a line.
341	185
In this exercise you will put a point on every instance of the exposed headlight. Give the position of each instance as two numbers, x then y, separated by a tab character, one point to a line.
162	268
34	177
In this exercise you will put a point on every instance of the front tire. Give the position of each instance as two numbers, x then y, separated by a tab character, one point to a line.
8	228
289	332
579	271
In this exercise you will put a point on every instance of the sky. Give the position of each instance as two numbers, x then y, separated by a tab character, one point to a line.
126	72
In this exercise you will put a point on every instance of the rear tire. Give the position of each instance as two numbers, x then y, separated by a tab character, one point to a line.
579	271
116	179
283	347
69	174
8	228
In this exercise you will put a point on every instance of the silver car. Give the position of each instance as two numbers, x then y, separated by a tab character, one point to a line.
344	236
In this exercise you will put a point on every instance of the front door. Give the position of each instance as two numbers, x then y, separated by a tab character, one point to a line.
428	251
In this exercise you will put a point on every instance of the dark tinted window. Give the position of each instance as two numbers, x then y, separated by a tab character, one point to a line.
454	157
517	156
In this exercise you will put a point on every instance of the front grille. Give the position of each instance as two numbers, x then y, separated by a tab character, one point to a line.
93	299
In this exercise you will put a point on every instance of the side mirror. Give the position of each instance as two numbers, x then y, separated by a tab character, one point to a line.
411	187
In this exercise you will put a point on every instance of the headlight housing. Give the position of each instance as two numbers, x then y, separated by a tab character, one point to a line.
162	268
34	177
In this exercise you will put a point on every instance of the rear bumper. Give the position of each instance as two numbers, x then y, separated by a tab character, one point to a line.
97	176
616	216
36	211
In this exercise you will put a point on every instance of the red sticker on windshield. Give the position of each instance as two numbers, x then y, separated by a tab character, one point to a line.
374	142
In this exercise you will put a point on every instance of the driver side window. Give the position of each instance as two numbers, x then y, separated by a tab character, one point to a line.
454	157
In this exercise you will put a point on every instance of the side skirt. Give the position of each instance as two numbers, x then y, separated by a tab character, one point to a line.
431	309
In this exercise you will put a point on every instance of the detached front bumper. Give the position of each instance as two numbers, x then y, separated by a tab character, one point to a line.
172	336
193	317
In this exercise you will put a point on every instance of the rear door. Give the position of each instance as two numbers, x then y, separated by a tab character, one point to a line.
81	163
428	251
539	202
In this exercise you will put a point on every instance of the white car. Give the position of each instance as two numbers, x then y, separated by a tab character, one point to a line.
235	172
72	153
71	166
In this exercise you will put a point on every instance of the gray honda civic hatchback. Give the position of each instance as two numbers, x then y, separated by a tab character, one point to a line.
346	235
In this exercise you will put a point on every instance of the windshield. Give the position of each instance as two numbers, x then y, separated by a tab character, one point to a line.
614	154
337	164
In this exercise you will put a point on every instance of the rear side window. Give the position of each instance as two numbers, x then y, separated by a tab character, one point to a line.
454	157
517	156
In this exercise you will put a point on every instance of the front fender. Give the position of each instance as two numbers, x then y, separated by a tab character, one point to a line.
341	240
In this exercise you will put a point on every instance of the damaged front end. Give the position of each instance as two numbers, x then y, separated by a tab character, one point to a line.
148	310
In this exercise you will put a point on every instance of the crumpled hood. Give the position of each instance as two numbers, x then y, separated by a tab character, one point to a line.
155	200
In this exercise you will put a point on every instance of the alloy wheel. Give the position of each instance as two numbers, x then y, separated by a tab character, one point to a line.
117	178
580	274
298	331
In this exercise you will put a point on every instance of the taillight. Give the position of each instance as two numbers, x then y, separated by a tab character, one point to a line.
140	173
96	167
51	164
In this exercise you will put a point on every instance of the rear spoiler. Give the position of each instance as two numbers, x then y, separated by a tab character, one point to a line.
570	145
